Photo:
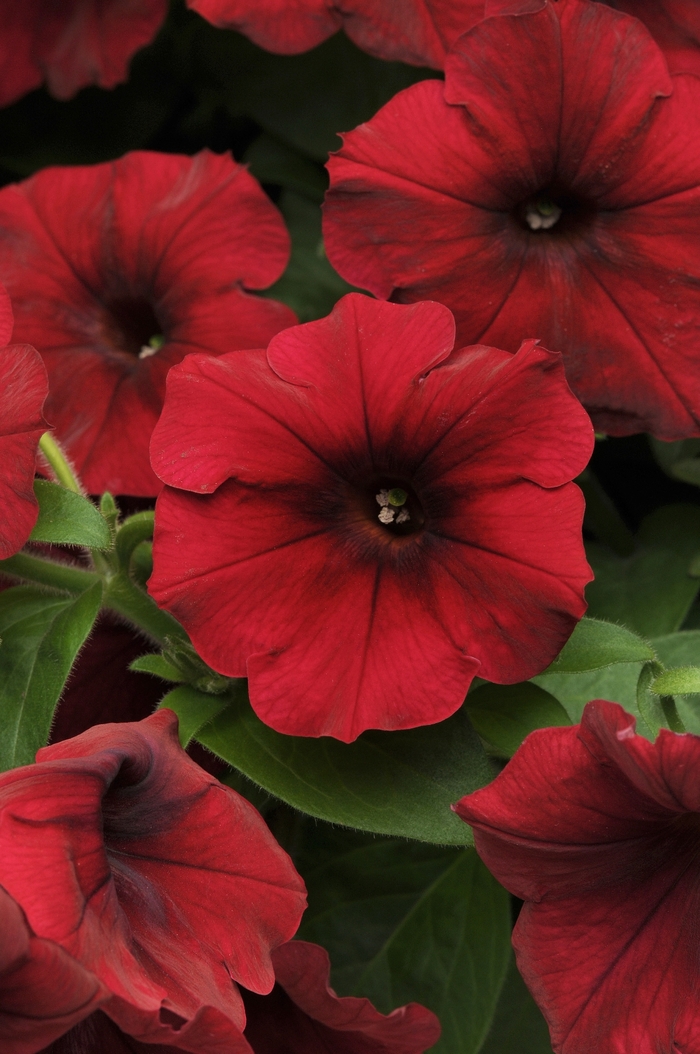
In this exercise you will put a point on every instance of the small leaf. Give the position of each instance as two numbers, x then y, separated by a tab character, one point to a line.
683	680
595	644
397	783
66	518
41	637
194	709
406	922
158	666
503	714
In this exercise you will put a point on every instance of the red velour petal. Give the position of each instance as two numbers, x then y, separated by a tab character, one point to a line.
430	198
290	554
43	991
597	830
100	259
303	1015
23	390
102	844
72	44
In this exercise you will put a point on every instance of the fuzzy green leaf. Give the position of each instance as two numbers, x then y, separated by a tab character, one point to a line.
66	518
41	637
595	644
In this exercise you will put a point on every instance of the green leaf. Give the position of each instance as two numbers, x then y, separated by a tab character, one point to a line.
309	286
396	783
41	637
683	680
404	922
651	591
595	644
503	714
194	709
518	1027
158	666
66	518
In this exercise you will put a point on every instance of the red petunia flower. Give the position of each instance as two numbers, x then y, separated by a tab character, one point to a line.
116	271
23	388
549	189
365	528
72	43
302	1015
596	829
161	882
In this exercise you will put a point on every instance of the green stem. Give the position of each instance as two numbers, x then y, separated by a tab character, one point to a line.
138	528
65	578
125	598
57	460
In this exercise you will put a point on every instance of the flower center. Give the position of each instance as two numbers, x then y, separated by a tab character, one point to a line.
542	213
397	508
131	326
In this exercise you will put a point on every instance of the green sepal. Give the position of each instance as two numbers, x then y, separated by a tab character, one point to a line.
504	714
159	666
595	644
67	518
41	638
395	783
194	709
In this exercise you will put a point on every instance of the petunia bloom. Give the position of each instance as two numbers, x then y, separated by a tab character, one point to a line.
548	189
302	1015
23	388
116	271
160	882
72	43
354	518
596	829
